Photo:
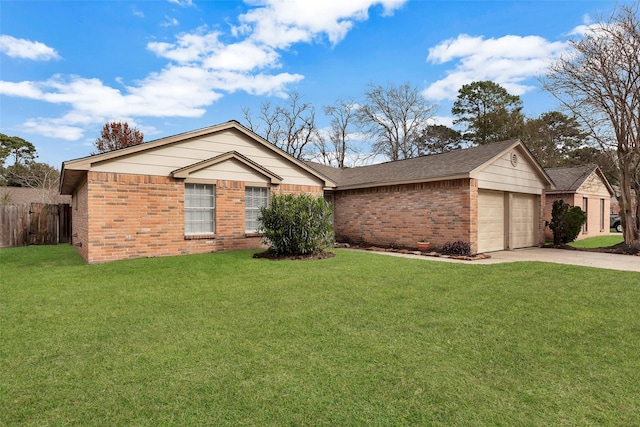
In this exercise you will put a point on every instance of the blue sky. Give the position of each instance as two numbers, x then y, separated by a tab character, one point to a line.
68	67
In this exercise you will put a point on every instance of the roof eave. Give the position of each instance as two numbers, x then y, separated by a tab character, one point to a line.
400	182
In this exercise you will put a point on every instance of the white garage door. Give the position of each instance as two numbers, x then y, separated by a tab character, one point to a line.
490	221
523	220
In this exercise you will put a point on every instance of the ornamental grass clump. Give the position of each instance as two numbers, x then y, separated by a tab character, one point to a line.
296	225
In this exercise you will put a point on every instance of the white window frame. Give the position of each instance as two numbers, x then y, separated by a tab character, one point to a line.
199	201
254	199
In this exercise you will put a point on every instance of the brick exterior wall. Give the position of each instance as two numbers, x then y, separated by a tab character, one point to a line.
122	216
400	215
79	223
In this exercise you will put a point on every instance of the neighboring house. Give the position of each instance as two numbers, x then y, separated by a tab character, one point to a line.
195	192
615	206
586	187
25	196
490	196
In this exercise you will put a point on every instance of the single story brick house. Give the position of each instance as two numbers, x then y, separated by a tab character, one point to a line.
194	192
201	191
491	196
586	187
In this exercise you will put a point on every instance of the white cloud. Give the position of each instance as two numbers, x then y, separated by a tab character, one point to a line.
256	84
281	23
169	22
588	25
176	91
21	89
201	67
183	3
194	47
243	56
53	129
442	121
21	48
509	61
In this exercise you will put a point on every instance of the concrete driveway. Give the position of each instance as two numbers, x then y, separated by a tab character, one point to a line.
557	256
561	256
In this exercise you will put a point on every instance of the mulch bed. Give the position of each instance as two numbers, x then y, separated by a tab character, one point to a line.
268	254
414	252
621	249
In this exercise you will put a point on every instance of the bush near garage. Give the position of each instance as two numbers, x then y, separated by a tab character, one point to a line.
566	221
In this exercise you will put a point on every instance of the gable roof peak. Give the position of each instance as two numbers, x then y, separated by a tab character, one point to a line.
455	164
570	178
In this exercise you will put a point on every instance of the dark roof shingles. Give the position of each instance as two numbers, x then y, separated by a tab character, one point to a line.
569	178
449	164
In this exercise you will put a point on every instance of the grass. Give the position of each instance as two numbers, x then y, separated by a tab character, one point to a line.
598	241
359	339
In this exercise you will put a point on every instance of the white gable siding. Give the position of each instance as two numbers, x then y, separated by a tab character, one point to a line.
231	170
501	175
163	160
593	185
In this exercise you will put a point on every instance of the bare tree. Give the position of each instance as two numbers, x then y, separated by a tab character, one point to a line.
599	82
393	117
115	135
334	147
40	176
290	127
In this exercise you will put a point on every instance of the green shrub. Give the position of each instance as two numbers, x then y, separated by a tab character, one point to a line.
566	221
296	224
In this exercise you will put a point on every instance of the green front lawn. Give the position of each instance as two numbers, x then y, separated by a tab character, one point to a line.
359	339
599	241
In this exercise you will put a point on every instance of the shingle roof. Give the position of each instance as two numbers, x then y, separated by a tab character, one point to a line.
451	164
571	178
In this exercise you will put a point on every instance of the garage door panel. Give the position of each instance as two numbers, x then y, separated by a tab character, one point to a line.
490	221
519	231
523	220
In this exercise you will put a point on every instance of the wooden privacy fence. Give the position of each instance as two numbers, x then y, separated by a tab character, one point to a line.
34	224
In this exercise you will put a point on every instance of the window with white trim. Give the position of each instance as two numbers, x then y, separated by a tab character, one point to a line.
199	209
255	198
